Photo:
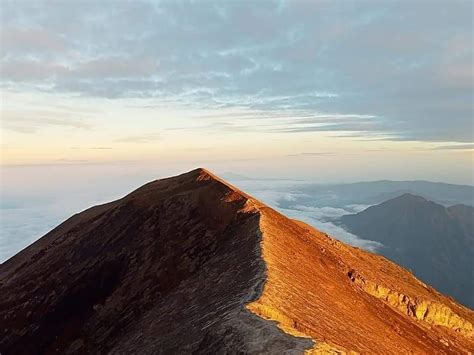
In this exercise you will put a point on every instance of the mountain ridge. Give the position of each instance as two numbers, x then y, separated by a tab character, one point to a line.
192	264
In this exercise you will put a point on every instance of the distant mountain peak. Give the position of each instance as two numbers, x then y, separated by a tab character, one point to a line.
461	206
434	241
409	197
191	264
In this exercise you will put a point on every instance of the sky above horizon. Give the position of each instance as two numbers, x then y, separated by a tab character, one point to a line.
326	91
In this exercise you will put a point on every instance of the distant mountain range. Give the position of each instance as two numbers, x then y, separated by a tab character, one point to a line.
435	242
374	192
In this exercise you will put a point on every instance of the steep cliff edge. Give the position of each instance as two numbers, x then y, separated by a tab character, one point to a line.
191	264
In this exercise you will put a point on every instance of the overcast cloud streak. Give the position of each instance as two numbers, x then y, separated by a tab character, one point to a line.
406	64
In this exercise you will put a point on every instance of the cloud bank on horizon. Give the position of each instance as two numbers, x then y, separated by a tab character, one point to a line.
398	71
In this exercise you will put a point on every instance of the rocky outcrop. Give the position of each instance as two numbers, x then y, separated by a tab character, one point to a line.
419	309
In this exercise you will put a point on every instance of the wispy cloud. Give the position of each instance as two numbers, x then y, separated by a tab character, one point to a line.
310	154
30	122
456	147
72	161
145	138
91	148
268	57
31	40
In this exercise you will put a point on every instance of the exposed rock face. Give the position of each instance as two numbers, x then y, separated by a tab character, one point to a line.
192	265
427	311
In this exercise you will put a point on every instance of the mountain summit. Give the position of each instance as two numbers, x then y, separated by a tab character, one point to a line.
191	264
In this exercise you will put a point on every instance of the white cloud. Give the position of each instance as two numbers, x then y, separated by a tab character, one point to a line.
269	57
315	220
322	212
274	192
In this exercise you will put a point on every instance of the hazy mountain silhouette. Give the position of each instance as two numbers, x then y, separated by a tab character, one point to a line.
435	242
375	192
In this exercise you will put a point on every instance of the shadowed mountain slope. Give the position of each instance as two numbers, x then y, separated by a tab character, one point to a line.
436	242
190	264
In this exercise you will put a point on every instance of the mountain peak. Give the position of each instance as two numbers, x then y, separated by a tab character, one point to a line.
190	264
430	239
197	174
410	197
202	172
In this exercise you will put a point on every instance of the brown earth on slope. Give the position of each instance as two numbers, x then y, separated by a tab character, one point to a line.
190	264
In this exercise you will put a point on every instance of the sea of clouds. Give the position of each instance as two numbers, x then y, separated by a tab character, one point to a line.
283	195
